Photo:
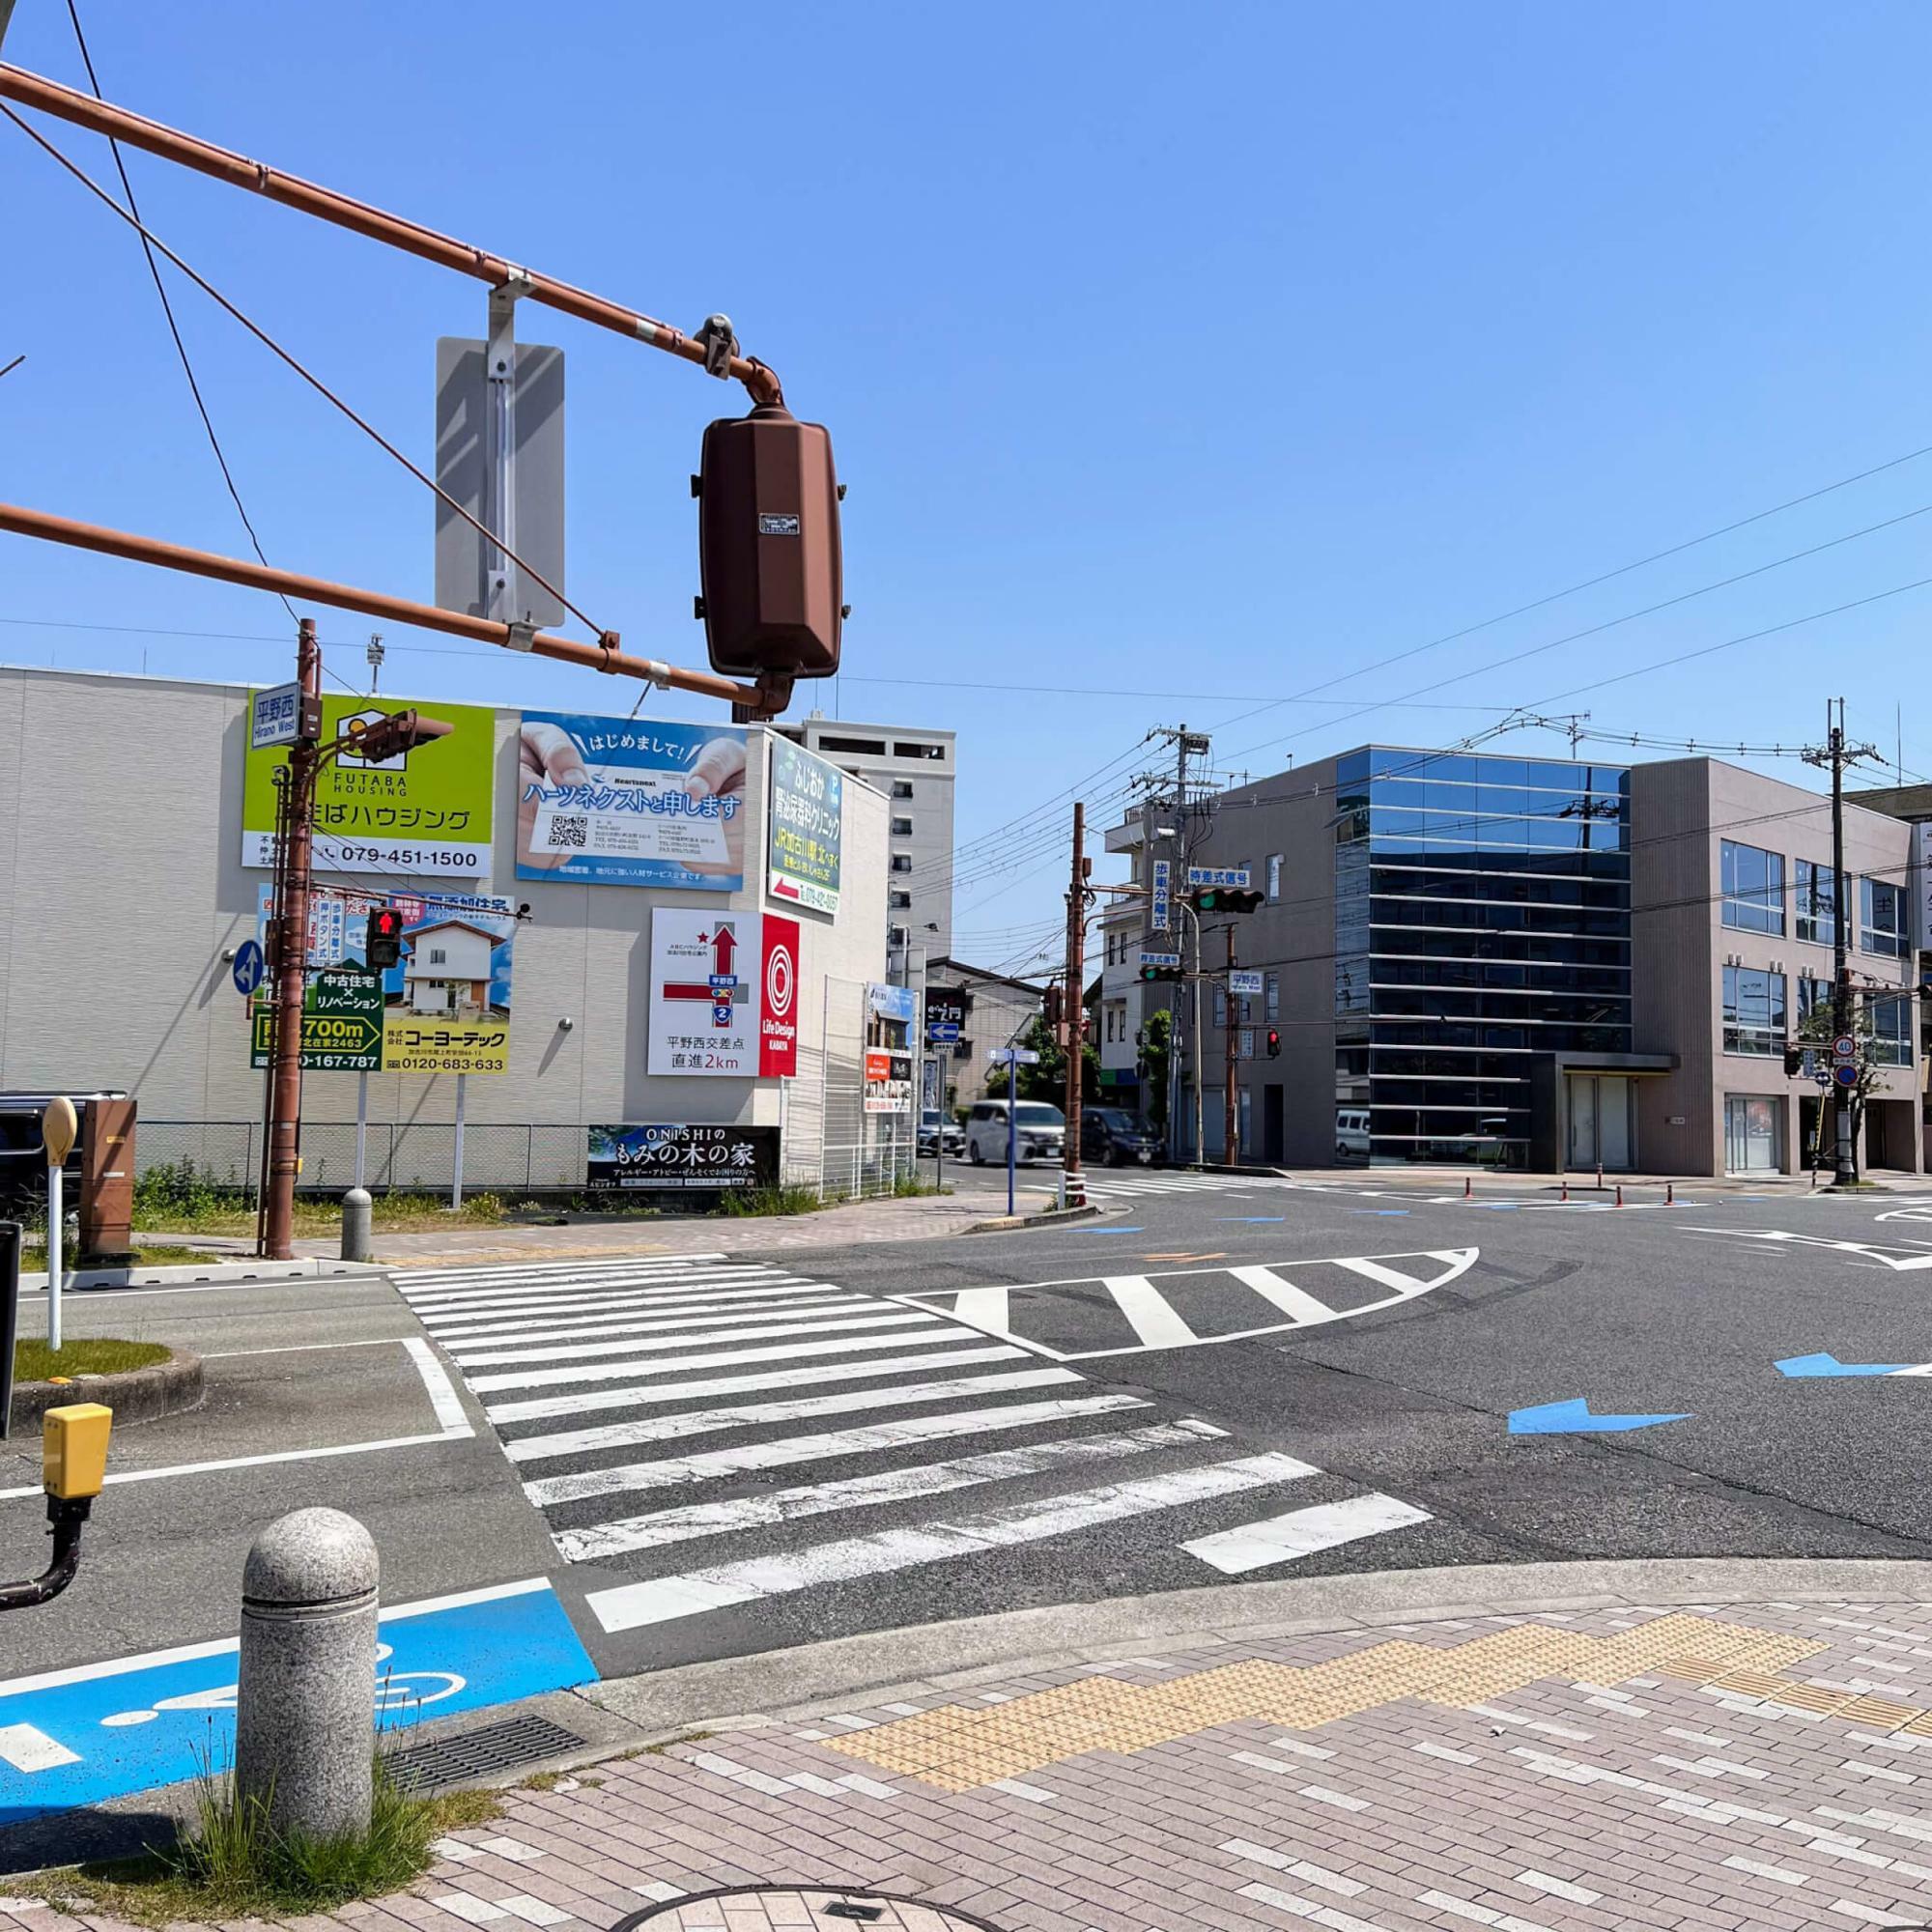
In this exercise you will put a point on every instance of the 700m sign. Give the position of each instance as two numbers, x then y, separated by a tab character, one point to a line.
342	1025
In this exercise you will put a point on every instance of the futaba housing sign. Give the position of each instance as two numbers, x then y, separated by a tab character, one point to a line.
424	812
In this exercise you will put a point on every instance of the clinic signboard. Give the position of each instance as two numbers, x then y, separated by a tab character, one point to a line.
806	833
627	802
724	998
683	1158
444	1008
424	812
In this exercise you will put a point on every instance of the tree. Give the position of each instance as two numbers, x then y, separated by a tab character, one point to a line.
1816	1032
1047	1079
1157	1055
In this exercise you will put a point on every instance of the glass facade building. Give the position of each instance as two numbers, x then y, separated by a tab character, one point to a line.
1482	919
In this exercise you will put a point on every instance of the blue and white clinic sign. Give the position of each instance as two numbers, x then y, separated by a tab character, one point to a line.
1236	877
81	1736
274	717
630	802
1160	914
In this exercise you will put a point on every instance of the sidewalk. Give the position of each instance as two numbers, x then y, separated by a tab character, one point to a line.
1625	1766
1491	1180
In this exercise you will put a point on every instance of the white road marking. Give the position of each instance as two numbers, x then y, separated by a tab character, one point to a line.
668	1365
679	1322
614	1294
489	1357
1282	1539
656	1527
874	1439
1294	1302
664	1599
1378	1271
983	1308
27	1749
696	1422
542	1408
548	1270
1152	1317
571	1309
444	1399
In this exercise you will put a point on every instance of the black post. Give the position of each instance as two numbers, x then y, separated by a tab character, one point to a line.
10	1318
1841	976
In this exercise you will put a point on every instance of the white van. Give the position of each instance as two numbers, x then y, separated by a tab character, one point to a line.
1351	1134
1042	1129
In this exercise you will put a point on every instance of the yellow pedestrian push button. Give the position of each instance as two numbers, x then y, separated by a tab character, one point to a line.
73	1450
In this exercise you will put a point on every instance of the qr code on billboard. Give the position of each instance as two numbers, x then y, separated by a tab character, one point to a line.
569	834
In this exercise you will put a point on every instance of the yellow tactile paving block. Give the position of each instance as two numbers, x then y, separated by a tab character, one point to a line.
959	1747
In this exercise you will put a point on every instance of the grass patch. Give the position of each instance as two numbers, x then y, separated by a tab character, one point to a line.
146	1254
784	1200
908	1185
35	1361
178	1197
231	1865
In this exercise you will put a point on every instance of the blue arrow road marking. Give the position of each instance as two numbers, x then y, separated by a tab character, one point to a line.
1250	1219
1803	1367
77	1737
1117	1231
1573	1418
1378	1210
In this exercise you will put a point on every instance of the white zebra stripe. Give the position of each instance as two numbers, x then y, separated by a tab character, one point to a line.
489	1357
650	1323
1281	1539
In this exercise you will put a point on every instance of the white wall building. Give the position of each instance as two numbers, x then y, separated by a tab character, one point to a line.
123	899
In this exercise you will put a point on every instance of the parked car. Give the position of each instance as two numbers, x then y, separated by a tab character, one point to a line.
937	1130
1118	1138
1351	1134
1040	1129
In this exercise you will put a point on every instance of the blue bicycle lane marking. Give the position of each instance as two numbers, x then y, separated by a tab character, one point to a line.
77	1737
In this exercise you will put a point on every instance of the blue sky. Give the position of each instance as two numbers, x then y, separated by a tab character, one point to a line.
1203	355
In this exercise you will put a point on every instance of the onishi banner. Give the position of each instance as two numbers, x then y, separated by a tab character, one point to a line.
627	802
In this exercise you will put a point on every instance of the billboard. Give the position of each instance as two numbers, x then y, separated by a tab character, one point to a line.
626	802
704	993
425	811
444	1008
1922	859
806	827
777	1008
671	1159
890	1012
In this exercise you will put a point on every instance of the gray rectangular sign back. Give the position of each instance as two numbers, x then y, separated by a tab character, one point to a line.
461	444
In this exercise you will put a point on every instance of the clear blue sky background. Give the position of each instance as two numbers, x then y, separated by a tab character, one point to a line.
1186	359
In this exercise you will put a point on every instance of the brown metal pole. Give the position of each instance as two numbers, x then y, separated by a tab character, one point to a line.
291	960
33	90
601	657
1075	1187
279	872
1230	1153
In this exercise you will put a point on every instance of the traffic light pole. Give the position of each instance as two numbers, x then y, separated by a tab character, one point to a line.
1842	968
290	929
1072	1187
1230	1148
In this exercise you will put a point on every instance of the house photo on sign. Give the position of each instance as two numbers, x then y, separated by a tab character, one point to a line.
674	1159
425	811
627	802
889	1022
807	819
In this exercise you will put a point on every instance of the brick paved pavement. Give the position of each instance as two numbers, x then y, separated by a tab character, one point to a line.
1638	1767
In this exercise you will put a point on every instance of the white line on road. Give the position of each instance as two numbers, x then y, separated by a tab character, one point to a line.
673	1365
614	1288
459	1341
1294	1302
874	1439
541	1407
664	1599
1149	1312
698	1422
27	1749
658	1527
554	1270
442	1397
1281	1539
483	1359
569	1311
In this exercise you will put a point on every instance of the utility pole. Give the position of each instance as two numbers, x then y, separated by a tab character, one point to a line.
291	931
1073	1186
1230	1152
1837	754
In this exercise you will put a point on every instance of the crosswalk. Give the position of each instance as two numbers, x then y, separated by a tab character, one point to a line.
790	1434
1132	1183
1080	1318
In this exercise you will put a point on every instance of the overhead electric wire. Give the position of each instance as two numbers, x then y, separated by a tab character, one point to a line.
312	380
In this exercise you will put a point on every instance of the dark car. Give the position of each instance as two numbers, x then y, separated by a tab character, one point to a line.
1114	1136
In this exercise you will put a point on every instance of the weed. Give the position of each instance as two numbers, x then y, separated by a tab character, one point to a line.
34	1361
786	1198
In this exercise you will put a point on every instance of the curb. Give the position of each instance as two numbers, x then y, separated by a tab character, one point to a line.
217	1271
1052	1217
925	1659
134	1395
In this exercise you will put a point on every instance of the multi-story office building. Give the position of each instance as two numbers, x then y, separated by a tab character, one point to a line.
1542	963
914	767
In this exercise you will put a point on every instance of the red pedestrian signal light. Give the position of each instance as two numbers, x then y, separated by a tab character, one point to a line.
385	938
1274	1044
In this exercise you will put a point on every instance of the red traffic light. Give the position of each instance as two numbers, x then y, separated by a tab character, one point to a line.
1274	1044
385	938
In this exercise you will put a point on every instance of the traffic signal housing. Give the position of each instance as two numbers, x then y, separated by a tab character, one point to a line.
1225	899
385	938
1154	973
392	736
1273	1044
1794	1062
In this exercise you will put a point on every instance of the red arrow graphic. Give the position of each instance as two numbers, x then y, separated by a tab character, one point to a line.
722	949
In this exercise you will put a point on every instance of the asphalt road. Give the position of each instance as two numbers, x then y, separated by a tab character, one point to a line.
729	1455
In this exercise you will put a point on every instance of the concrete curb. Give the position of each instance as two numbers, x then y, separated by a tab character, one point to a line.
1006	1223
210	1271
134	1395
924	1658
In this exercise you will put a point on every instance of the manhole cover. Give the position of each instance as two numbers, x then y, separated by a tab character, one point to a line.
484	1752
789	1910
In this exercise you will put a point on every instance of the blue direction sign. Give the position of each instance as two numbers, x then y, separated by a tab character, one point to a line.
248	966
943	1032
79	1736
